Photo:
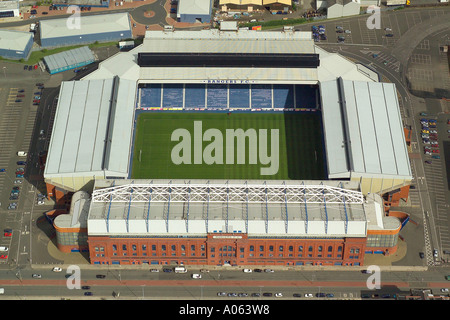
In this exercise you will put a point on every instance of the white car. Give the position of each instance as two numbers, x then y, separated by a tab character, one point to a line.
444	290
40	202
278	294
196	276
3	249
17	181
268	270
56	269
308	295
154	270
347	31
247	270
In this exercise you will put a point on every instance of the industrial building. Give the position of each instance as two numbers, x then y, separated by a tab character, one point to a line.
86	30
336	221
9	9
342	8
194	11
15	45
69	60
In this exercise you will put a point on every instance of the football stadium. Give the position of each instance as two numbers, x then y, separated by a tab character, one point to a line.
236	147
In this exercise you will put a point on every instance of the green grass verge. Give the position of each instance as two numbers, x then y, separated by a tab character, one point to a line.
300	146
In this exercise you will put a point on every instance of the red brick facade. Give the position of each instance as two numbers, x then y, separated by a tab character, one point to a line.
233	249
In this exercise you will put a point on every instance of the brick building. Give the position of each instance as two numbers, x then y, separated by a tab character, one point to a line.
124	230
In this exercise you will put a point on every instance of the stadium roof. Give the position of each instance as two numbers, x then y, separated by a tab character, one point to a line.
190	216
14	40
370	139
92	129
93	24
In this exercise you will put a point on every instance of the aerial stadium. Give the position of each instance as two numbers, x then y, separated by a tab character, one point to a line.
236	147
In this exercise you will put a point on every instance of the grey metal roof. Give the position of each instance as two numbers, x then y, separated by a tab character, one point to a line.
86	111
363	129
194	7
311	219
14	40
68	58
93	24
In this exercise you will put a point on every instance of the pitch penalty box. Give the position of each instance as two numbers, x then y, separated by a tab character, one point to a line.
216	145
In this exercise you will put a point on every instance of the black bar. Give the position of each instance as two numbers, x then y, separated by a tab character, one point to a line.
290	60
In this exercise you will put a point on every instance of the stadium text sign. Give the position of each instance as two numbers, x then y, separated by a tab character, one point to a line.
213	153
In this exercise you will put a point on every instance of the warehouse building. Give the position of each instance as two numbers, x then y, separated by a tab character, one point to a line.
194	11
69	60
9	9
101	28
15	44
342	8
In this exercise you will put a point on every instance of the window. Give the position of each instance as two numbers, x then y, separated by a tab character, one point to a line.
320	248
310	249
330	249
300	248
261	248
154	247
163	247
193	247
340	249
280	249
252	248
144	247
271	248
173	247
183	248
133	246
124	247
114	247
291	248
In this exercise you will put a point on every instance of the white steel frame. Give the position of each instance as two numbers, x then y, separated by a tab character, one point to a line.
228	193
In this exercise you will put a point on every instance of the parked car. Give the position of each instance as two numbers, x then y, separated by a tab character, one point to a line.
36	276
100	276
7	232
2	170
17	181
21	163
390	35
57	269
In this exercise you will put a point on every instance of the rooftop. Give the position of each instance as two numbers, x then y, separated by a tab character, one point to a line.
14	40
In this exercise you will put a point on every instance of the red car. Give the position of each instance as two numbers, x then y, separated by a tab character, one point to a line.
7	232
36	101
435	151
3	256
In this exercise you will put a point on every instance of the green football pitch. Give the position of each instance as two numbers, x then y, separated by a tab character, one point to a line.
159	152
